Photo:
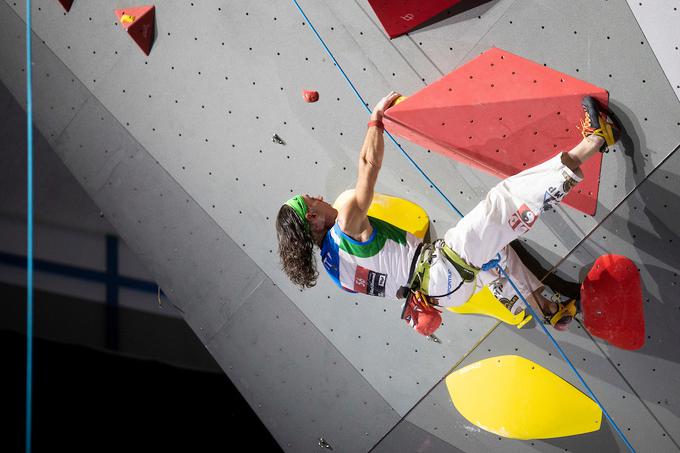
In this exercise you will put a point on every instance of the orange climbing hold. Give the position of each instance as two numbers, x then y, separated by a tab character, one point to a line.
502	113
139	23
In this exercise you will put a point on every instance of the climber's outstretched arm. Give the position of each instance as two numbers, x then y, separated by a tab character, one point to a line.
352	216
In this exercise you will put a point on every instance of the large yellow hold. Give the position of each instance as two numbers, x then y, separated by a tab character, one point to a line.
484	302
396	211
514	397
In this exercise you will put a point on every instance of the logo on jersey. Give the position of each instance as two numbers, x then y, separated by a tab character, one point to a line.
569	182
368	282
523	219
551	197
328	263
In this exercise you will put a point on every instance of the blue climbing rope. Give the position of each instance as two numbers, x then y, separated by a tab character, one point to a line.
487	266
29	253
365	104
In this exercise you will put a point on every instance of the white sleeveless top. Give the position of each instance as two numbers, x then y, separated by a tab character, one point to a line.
377	267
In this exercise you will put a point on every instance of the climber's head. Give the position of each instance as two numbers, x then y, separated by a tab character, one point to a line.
302	223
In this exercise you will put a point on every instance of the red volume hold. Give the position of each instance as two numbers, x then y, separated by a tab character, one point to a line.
139	23
502	113
611	300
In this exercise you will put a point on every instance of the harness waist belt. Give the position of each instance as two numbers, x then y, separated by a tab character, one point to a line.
419	277
403	291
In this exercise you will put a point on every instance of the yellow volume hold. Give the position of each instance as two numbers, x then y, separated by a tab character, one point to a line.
484	302
396	211
514	397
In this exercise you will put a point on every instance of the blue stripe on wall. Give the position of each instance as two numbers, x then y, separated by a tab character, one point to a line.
79	273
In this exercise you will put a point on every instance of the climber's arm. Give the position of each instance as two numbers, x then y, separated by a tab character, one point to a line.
352	216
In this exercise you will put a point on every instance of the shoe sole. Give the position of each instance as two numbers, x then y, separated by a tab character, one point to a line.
591	106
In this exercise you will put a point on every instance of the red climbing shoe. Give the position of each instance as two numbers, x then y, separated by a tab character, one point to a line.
596	122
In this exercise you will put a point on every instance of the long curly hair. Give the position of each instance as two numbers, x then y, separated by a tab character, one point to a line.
296	248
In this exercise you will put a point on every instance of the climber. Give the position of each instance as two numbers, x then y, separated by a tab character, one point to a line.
367	255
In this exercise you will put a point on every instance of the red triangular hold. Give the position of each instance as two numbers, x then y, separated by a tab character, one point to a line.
611	300
502	113
401	16
139	23
66	4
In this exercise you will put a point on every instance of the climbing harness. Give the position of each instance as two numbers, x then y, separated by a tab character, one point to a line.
420	276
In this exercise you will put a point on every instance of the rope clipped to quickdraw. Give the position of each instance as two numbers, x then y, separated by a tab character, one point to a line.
492	263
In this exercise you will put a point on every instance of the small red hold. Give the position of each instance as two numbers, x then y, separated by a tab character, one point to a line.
310	96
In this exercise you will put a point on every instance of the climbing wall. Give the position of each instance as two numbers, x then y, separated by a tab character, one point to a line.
176	149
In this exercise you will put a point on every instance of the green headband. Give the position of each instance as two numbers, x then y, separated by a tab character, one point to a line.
300	207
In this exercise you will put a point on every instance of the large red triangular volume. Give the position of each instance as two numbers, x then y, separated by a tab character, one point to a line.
502	113
66	4
611	300
401	16
139	23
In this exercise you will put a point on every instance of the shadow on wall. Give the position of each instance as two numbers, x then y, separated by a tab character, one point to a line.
600	440
631	144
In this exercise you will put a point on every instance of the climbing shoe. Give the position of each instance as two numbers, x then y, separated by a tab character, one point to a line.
596	122
565	311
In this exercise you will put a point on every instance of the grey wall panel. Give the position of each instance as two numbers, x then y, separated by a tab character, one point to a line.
408	437
659	22
207	268
351	31
87	36
300	385
52	108
59	201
